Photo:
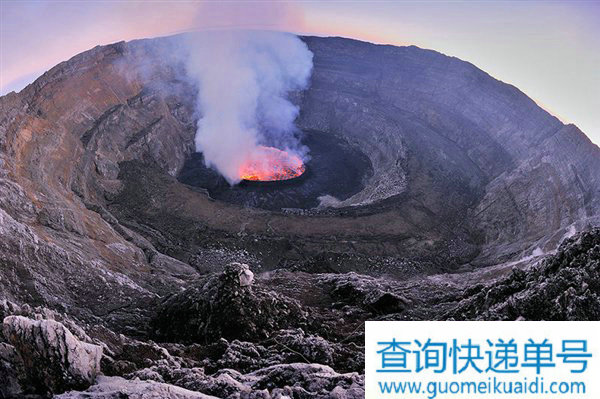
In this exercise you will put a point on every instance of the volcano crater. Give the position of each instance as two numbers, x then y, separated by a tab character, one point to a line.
335	169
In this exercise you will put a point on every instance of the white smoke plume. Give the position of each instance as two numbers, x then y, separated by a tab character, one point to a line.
243	80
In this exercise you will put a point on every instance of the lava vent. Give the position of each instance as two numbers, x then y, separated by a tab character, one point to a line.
271	164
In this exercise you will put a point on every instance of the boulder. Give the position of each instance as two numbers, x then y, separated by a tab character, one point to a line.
371	294
53	360
225	305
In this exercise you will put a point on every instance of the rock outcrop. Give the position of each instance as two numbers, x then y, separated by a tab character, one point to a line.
565	286
225	306
50	359
369	293
117	387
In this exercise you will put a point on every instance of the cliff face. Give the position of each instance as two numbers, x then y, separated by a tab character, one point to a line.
465	172
444	133
56	170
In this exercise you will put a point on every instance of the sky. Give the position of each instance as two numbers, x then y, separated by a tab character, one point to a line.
548	49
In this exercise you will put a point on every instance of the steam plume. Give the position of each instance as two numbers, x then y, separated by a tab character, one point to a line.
243	80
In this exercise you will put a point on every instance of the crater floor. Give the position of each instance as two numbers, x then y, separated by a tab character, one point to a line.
335	168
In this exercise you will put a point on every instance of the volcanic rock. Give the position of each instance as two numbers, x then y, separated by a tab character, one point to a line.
372	294
225	305
12	372
292	380
117	387
222	384
297	346
243	356
565	286
312	380
52	359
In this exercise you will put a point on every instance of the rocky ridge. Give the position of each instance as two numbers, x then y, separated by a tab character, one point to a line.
561	287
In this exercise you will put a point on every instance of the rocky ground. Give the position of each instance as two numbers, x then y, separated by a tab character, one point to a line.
561	287
231	334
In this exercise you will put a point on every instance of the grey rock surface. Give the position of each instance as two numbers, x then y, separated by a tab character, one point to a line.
51	357
117	387
225	306
12	372
565	286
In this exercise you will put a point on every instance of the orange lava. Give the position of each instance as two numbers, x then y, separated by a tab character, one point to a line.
271	164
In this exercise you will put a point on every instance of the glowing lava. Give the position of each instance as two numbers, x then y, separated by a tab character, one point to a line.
271	164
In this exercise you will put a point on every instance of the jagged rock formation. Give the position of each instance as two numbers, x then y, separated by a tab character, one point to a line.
46	357
225	306
266	366
565	286
99	237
